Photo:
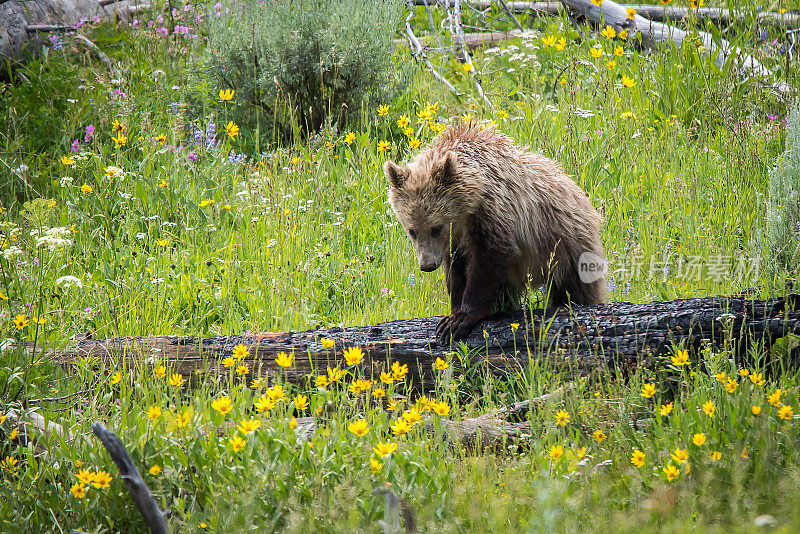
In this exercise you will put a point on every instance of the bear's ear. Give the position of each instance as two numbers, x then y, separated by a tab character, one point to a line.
445	172
396	174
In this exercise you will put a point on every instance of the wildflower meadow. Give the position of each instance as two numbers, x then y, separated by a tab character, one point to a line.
174	195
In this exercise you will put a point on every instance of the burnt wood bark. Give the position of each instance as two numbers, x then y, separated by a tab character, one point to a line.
584	339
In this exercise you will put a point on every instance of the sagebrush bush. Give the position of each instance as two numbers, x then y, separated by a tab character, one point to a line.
304	62
783	212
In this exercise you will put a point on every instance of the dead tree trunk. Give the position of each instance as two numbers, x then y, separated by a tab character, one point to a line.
584	339
24	25
653	12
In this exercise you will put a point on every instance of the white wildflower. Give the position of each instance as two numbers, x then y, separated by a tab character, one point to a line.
66	181
114	172
56	238
11	253
69	281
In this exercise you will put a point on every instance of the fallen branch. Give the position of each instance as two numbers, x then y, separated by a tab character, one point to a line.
93	47
419	54
489	430
458	35
654	34
584	339
141	494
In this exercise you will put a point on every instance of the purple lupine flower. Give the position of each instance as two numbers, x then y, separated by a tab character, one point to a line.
89	133
192	157
57	41
162	31
75	145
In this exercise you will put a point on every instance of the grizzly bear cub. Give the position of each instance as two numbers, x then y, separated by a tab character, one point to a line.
496	216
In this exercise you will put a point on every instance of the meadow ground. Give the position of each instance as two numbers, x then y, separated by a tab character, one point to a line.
133	205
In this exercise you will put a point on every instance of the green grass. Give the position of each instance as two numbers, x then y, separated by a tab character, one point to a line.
301	236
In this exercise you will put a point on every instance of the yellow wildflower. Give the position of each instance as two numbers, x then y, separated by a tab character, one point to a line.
441	365
562	418
223	405
359	427
102	479
237	443
637	458
264	404
383	110
86	189
353	355
240	352
630	13
284	360
387	378
671	472
785	412
716	455
385	449
775	397
375	465
226	95
680	455
709	408
232	129
155	469
648	390
599	435
608	32
400	427
698	439
441	408
176	380
335	374
680	358
556	451
730	385
399	371
326	343
248	426
21	321
756	410
160	371
78	490
757	378
154	412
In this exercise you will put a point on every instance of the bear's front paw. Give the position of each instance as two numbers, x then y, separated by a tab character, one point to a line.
443	329
459	324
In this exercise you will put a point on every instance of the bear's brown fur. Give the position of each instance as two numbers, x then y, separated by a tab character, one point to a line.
496	216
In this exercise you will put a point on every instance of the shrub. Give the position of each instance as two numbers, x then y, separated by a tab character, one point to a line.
303	62
783	210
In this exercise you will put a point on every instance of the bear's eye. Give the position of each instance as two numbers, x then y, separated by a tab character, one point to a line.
435	231
412	233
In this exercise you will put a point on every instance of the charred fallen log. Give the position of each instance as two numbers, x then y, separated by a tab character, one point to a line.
582	338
